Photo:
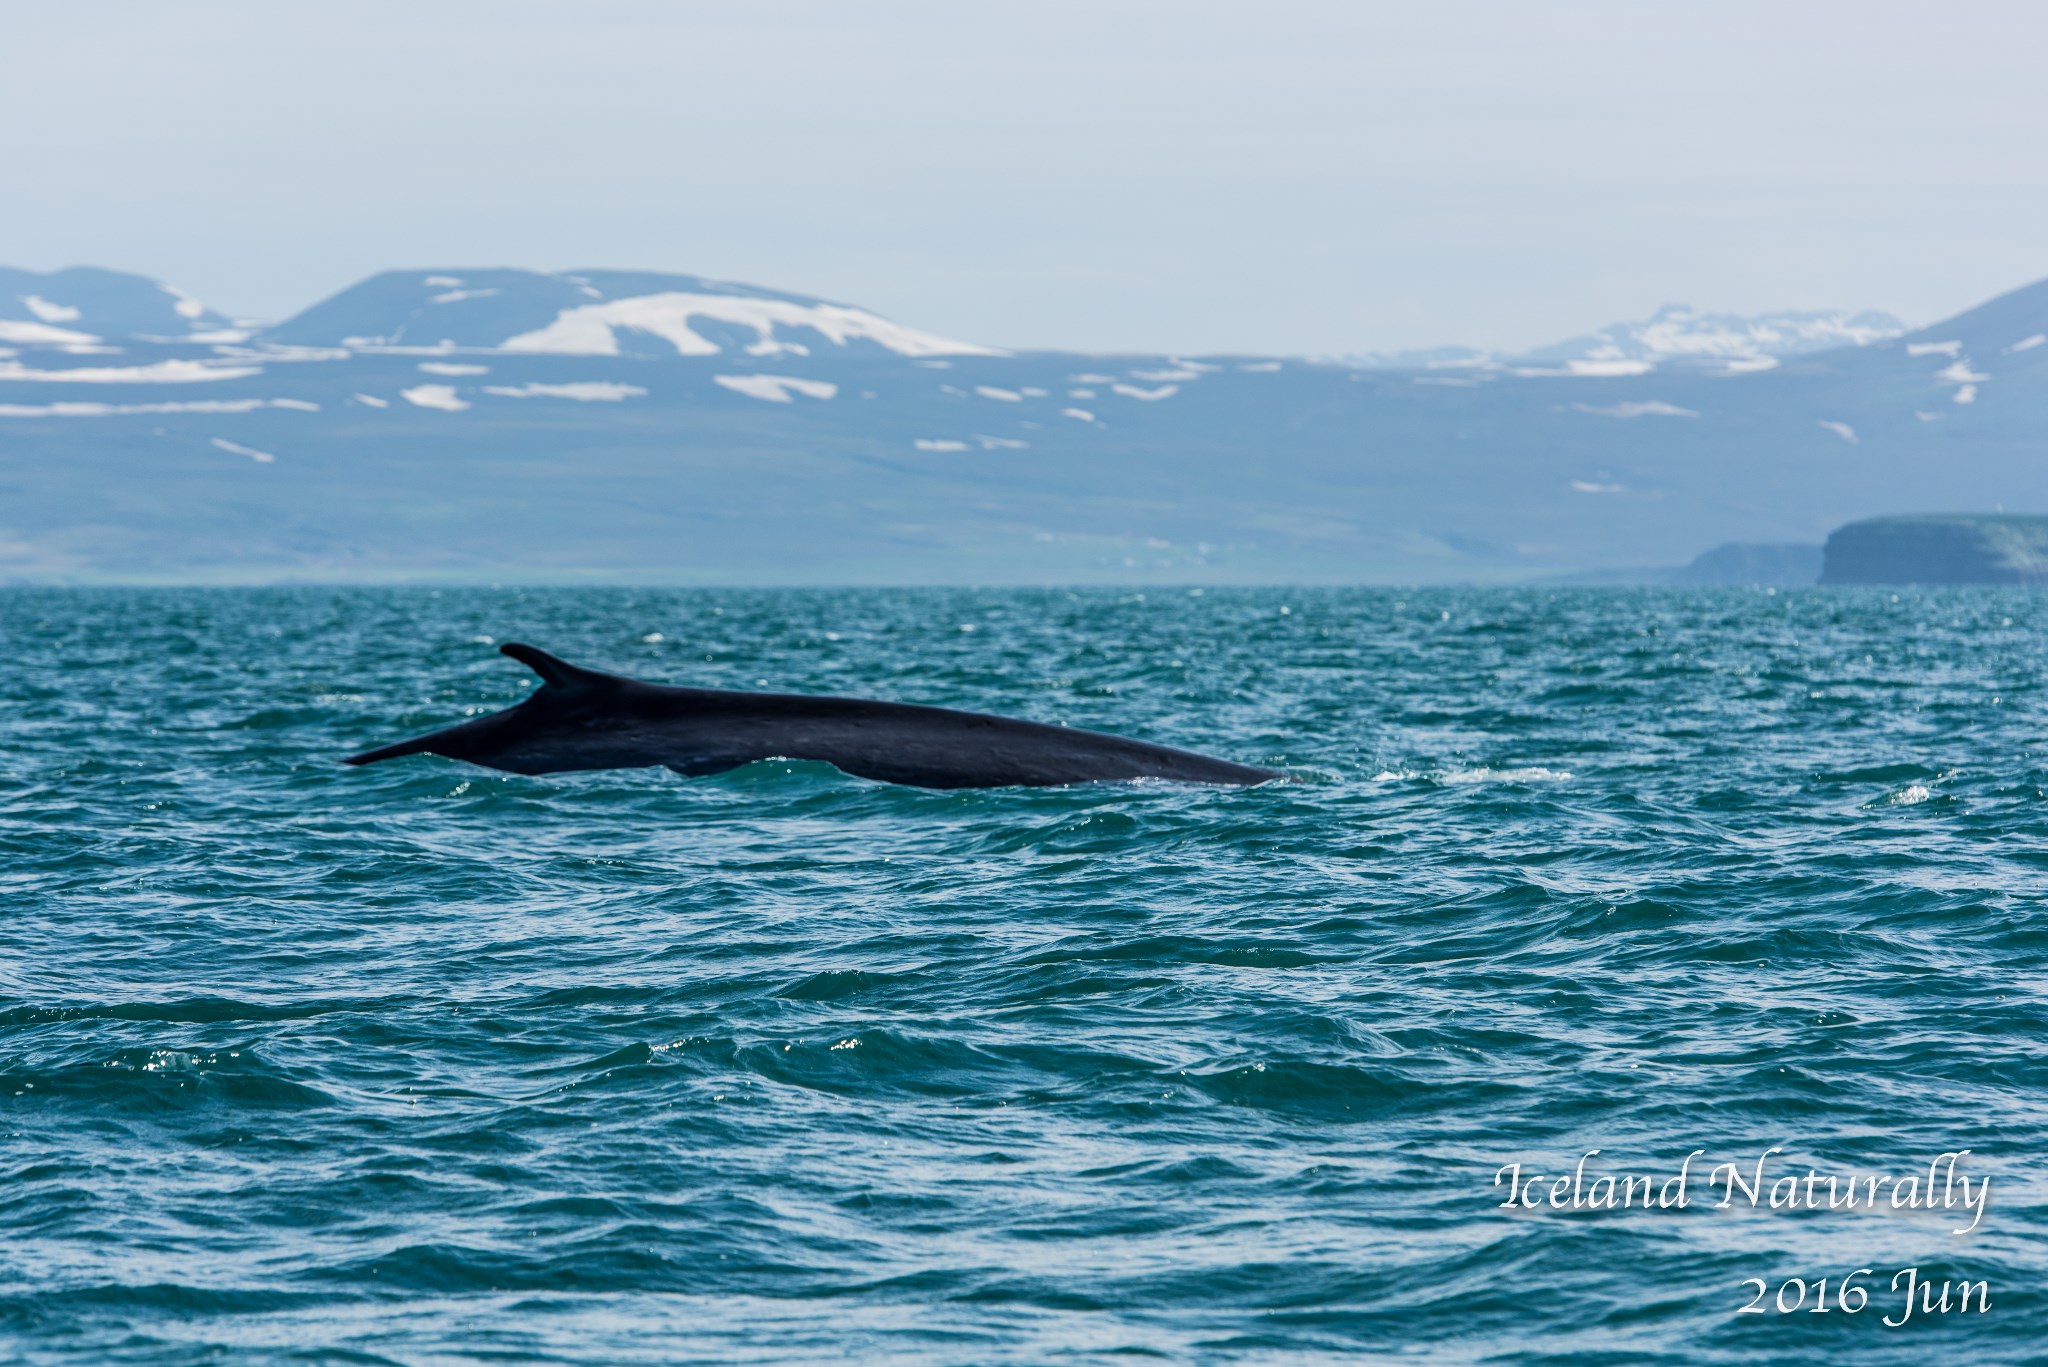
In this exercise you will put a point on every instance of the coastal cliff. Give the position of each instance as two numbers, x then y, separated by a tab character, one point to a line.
1939	548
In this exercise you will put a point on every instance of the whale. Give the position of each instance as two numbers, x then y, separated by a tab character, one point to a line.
579	719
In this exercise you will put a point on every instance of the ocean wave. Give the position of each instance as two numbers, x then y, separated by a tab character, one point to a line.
427	1062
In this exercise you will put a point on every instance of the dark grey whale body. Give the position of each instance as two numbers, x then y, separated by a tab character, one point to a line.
582	719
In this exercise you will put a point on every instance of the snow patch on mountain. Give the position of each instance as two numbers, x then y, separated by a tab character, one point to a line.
1597	367
160	372
583	391
42	334
776	388
1652	408
441	396
183	304
1676	334
591	329
235	448
107	410
49	312
83	305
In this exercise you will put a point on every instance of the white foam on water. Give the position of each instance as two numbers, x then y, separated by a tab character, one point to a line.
1528	774
583	391
439	396
776	388
236	448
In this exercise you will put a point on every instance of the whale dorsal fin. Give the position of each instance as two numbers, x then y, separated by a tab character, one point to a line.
554	672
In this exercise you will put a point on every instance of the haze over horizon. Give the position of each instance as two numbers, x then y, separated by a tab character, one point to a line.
1314	179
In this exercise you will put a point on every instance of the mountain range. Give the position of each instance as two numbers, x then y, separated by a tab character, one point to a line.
457	425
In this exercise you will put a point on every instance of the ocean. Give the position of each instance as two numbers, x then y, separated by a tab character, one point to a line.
424	1063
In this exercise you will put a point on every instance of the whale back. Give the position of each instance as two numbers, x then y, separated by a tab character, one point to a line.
562	686
556	672
587	719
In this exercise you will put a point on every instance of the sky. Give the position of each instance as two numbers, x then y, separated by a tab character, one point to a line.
1286	177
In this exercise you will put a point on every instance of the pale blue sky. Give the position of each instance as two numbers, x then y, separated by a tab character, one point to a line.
1273	176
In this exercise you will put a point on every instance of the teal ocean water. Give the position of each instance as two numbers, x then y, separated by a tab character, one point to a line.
423	1063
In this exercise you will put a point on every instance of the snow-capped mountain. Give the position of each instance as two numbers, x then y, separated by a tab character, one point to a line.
596	313
494	425
87	307
1969	350
1680	333
1676	334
